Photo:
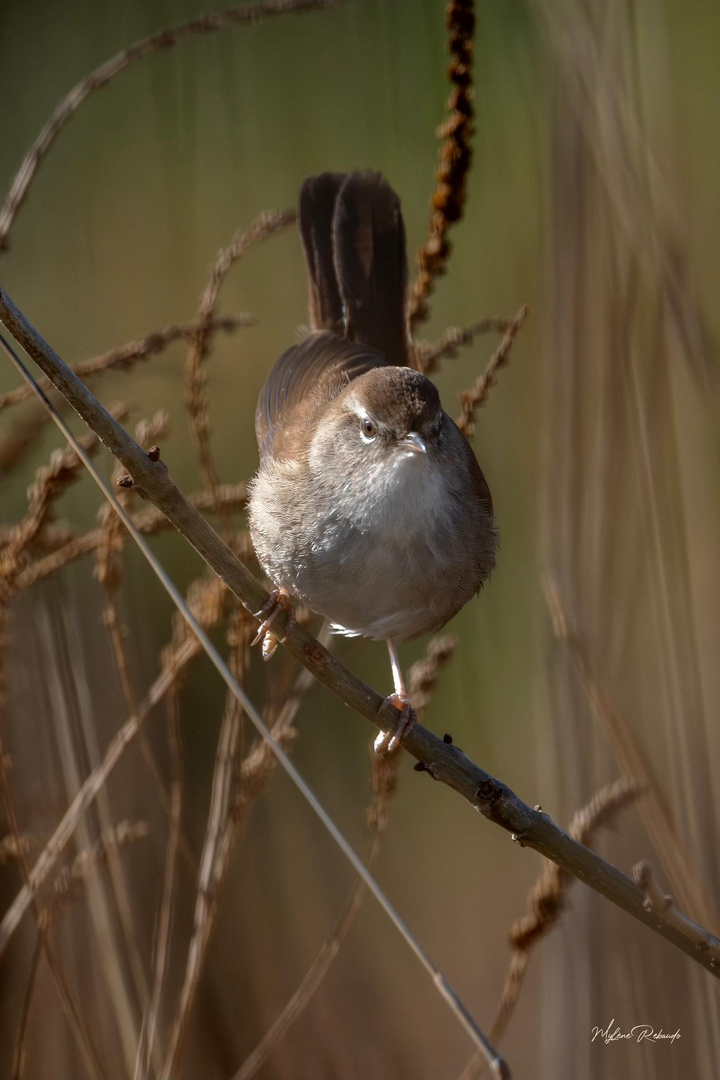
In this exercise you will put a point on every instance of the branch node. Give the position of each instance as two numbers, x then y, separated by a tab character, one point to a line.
126	481
489	791
655	899
316	654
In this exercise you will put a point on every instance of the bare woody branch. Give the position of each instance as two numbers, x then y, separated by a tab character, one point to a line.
239	15
663	906
442	761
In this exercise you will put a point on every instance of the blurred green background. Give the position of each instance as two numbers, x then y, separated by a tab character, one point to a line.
593	198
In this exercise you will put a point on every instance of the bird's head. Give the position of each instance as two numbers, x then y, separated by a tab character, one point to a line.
387	415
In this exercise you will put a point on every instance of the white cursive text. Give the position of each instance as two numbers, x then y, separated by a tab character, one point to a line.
637	1033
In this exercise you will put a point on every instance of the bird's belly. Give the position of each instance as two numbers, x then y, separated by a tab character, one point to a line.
384	586
387	564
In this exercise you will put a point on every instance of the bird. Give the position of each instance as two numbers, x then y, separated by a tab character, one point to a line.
369	504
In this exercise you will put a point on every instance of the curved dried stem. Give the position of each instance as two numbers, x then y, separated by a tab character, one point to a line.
23	434
149	522
241	14
266	225
427	355
108	571
125	356
72	879
471	399
9	850
21	437
51	481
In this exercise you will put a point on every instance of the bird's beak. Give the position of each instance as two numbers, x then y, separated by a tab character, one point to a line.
415	442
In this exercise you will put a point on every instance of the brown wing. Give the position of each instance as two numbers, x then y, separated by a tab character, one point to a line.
304	379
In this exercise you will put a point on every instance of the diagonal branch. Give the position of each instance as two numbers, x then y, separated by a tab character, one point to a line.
443	761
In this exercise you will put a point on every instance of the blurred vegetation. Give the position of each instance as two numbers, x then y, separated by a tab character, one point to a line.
593	198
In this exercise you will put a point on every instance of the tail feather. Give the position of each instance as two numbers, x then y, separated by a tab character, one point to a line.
316	211
368	240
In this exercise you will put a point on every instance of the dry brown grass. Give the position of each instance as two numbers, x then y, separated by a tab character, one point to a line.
454	162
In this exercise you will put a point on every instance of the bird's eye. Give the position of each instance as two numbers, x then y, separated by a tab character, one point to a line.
368	429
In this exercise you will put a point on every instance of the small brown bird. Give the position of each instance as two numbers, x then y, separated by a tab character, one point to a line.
369	504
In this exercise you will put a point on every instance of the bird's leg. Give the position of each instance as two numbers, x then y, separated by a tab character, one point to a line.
386	743
279	600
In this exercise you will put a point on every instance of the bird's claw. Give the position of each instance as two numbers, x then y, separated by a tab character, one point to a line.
387	742
279	600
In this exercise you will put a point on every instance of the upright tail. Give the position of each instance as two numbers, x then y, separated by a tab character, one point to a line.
354	239
315	212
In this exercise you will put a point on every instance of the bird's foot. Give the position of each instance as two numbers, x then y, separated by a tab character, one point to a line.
279	600
387	742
